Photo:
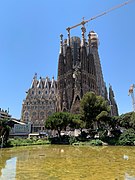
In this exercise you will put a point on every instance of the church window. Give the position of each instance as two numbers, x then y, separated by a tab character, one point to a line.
34	114
49	113
32	92
64	110
41	113
26	114
45	92
39	92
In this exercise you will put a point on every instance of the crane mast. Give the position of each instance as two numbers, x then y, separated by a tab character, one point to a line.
131	92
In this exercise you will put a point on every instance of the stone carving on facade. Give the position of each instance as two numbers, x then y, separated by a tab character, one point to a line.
77	75
39	103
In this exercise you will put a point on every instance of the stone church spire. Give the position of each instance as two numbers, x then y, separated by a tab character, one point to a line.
34	81
79	71
61	43
83	36
61	58
68	40
93	41
113	105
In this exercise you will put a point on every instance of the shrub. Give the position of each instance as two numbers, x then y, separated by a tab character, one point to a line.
26	142
95	142
102	135
72	140
127	137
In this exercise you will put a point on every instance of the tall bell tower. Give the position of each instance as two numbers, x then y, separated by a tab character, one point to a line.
79	71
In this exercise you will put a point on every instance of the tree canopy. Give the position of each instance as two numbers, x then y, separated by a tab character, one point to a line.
127	120
95	116
58	121
94	109
4	131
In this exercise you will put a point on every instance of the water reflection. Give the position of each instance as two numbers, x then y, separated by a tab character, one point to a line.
8	172
127	177
67	162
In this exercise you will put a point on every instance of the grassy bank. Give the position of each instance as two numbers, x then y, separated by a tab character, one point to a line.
26	142
125	139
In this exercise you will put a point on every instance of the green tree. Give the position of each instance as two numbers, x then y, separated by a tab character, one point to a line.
132	120
124	120
127	120
58	121
76	122
127	137
4	132
94	110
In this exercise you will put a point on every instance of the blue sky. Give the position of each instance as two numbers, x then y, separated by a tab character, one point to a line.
29	43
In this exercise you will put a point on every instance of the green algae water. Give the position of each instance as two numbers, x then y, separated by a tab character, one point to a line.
67	163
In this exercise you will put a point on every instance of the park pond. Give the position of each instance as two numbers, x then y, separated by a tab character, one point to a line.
61	162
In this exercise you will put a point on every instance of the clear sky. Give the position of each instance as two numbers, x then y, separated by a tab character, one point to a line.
29	43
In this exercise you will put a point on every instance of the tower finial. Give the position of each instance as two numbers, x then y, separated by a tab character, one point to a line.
83	33
89	40
35	76
68	42
61	43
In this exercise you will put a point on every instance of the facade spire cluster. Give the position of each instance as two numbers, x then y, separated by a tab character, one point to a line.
79	71
40	102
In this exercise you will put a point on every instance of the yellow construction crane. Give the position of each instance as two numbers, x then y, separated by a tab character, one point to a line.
99	15
131	92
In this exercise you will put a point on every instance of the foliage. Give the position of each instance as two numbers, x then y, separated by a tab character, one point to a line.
76	122
132	121
60	140
102	135
26	142
94	110
83	136
94	142
127	137
127	120
72	140
4	132
58	121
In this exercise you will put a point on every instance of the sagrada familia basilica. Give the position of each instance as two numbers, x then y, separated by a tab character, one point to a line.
79	71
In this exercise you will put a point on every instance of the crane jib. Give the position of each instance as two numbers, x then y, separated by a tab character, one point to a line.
99	15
